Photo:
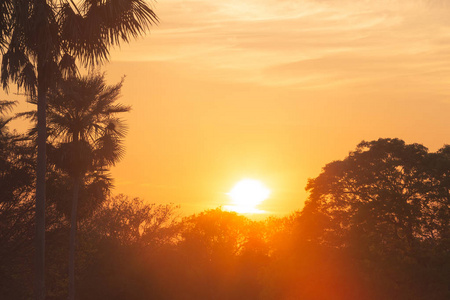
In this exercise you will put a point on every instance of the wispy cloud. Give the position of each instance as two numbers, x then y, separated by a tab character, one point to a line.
298	42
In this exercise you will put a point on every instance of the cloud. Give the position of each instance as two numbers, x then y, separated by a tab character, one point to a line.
280	42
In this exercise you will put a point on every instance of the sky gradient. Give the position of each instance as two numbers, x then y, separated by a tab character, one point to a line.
274	90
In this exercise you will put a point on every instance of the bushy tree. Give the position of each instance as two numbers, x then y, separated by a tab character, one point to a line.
387	205
121	247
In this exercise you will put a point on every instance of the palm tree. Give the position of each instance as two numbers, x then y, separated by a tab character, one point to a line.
86	137
34	36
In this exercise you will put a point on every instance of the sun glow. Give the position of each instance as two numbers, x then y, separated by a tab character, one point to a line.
246	195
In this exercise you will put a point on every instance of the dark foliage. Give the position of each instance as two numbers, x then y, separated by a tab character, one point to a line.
376	226
16	210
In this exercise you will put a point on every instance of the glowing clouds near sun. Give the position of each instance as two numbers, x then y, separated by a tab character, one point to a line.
246	195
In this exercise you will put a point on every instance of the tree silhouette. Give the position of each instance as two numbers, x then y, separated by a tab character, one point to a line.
386	204
87	134
125	243
378	191
212	240
37	34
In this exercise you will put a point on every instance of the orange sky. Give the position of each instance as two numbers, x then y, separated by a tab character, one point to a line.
274	90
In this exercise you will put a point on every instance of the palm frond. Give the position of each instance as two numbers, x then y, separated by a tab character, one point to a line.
126	18
6	10
30	115
101	24
27	78
118	108
68	66
13	61
116	127
3	123
83	39
109	150
6	106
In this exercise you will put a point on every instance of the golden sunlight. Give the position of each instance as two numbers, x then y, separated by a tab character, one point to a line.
246	195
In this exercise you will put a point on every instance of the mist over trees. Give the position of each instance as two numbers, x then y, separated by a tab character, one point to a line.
375	226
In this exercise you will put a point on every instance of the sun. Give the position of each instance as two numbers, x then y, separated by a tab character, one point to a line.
246	195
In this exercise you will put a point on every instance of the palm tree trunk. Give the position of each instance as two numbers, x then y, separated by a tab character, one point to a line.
72	243
40	189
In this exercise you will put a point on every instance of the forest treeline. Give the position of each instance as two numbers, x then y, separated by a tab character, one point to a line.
375	226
